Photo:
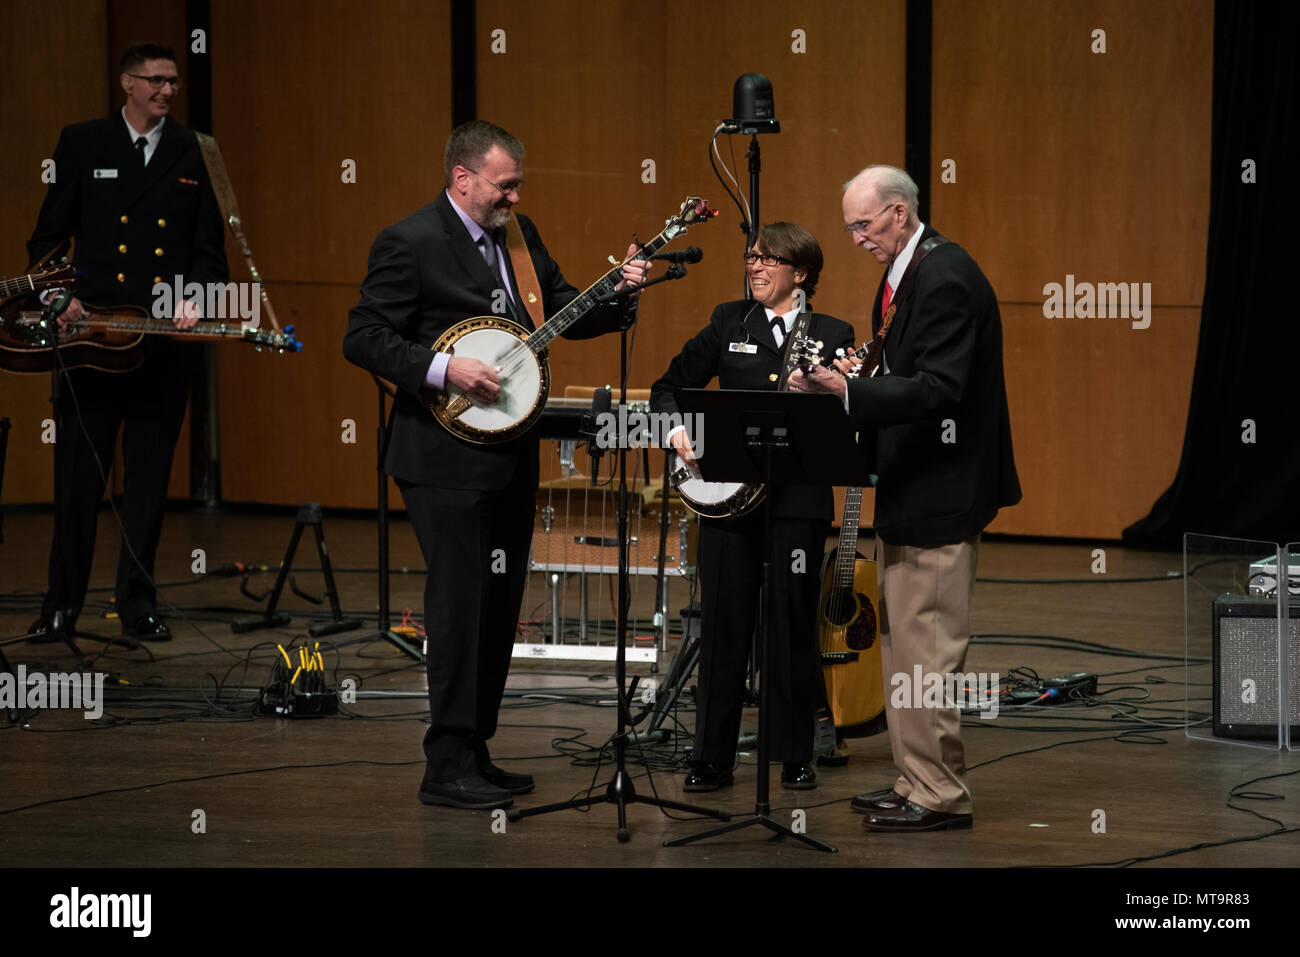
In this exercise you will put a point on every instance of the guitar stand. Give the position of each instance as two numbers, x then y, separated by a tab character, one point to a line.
309	514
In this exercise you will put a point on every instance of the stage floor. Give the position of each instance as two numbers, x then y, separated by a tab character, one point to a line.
178	745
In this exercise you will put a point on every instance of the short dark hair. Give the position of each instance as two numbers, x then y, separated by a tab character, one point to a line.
469	143
138	53
793	242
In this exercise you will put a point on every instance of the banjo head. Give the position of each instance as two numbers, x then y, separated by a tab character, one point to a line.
524	378
714	499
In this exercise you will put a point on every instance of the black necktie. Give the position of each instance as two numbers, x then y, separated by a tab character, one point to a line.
140	143
778	329
492	255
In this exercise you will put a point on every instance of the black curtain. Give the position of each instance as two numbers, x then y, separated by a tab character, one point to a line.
1248	354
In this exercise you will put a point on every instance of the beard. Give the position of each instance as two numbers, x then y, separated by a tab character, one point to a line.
495	218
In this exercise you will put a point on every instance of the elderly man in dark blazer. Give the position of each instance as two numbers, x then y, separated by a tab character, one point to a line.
937	413
471	505
133	193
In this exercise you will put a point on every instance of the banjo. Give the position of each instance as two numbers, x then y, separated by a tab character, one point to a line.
524	377
733	499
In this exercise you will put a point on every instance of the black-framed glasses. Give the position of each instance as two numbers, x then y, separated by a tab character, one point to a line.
506	189
156	82
862	225
752	257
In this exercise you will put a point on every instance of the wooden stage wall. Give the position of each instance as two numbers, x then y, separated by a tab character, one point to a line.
1065	162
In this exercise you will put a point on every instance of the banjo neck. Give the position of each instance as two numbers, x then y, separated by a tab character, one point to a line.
594	295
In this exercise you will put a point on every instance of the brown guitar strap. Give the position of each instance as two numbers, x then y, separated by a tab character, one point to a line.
872	360
230	213
530	290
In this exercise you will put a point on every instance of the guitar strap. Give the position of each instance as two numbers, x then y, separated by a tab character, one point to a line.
789	358
877	345
229	206
530	290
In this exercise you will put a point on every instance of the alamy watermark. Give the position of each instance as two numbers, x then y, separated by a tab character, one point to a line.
965	691
1102	300
24	691
216	300
81	910
647	428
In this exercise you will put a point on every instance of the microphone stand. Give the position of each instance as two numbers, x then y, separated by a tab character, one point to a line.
620	790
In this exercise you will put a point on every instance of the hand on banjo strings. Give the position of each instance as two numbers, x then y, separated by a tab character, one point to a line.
476	379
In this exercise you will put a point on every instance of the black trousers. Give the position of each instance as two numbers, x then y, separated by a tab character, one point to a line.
148	404
730	562
475	547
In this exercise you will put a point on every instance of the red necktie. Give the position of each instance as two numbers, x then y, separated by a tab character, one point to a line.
885	300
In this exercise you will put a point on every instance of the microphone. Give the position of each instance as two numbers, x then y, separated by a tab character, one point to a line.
691	254
600	403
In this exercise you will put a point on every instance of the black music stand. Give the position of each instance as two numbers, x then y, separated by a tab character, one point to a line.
778	438
620	791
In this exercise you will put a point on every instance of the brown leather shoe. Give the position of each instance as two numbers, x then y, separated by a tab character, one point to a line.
885	800
913	817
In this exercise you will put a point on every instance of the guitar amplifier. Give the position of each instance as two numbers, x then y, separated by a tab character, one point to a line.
1245	649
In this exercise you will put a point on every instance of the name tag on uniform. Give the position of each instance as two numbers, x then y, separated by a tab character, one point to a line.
105	174
748	348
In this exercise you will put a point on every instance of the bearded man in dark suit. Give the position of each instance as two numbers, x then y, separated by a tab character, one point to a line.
937	415
132	191
471	506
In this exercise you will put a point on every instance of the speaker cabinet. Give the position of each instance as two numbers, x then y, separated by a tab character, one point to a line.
1245	649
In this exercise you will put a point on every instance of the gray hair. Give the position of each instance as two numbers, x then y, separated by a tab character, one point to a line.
891	184
470	142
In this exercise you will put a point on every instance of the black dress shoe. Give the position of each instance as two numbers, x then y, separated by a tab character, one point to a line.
885	800
148	628
708	777
798	777
41	632
507	780
913	817
473	794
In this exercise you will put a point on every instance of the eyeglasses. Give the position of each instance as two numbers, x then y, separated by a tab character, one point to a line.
752	258
156	82
862	225
506	190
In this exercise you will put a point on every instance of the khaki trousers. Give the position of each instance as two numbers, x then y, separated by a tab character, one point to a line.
925	599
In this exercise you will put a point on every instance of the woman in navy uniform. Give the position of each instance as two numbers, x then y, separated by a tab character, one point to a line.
743	346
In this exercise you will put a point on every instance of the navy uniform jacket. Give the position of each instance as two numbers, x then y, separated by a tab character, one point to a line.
939	416
425	275
133	225
709	354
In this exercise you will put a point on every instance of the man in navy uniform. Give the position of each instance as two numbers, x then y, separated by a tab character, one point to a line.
131	190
